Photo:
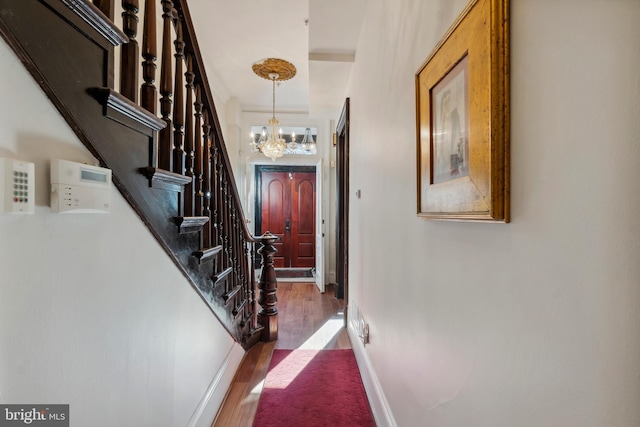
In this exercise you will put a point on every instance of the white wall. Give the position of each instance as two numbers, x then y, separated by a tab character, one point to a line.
92	311
532	323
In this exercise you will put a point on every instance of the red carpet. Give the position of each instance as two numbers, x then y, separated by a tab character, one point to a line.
307	388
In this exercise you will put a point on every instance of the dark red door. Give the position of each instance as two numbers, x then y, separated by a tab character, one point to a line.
276	200
303	224
288	206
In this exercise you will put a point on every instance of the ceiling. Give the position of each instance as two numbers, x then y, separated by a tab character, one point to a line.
319	37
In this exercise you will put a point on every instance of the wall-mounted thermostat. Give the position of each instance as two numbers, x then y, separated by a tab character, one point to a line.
79	188
17	186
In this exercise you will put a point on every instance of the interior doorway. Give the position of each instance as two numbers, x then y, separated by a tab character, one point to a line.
286	206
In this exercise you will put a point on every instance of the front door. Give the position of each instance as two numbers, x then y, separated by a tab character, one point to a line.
286	208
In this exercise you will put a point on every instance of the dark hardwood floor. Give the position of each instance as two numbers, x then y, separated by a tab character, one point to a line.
306	319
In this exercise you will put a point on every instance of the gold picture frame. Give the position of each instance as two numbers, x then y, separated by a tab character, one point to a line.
462	109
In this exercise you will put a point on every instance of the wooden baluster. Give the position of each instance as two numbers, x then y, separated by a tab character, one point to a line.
197	168
241	283
165	145
239	253
252	284
206	179
241	264
232	244
224	221
268	314
235	246
228	228
107	7
222	208
178	109
148	96
234	241
215	191
129	54
188	140
247	277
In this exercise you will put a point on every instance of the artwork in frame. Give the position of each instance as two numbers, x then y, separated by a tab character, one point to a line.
462	110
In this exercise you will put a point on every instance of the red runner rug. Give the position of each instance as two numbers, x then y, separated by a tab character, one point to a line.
308	388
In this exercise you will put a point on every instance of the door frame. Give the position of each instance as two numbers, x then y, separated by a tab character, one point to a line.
342	206
258	170
312	164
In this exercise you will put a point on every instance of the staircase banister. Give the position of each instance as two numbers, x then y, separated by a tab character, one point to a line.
191	41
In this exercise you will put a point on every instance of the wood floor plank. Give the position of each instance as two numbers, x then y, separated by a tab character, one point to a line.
305	317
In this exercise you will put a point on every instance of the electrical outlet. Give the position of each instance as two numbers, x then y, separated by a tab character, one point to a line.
365	334
362	328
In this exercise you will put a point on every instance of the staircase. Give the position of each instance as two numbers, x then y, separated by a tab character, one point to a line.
173	169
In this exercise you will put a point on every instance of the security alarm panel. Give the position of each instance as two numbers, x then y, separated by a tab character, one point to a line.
17	187
79	188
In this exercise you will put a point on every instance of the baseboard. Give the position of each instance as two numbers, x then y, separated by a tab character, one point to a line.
377	400
207	409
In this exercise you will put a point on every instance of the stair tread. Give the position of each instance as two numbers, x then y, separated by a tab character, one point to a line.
208	253
217	278
190	224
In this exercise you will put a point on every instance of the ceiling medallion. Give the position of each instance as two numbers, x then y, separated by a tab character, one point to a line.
265	68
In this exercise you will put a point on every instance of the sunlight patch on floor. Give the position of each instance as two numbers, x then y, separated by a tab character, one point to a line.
255	392
324	335
287	371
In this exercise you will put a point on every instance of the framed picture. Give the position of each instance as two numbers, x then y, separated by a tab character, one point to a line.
462	110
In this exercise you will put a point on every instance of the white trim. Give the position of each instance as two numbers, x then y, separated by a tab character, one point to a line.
331	277
377	400
210	403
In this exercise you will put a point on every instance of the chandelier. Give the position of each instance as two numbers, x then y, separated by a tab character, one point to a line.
270	142
308	144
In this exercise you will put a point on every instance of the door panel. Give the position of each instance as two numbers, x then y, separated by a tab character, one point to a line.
303	215
276	200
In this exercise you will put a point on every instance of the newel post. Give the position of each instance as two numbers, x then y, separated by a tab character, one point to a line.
268	313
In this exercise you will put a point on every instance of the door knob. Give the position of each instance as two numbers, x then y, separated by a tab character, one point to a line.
287	225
